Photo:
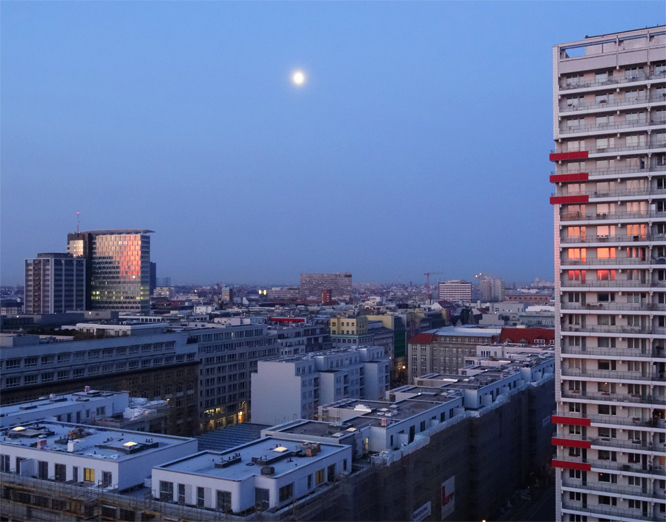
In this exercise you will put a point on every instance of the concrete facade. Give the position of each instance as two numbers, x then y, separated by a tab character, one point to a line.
609	114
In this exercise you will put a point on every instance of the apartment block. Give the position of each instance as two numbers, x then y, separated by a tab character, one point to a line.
54	284
307	381
444	350
157	366
312	285
98	457
609	127
455	291
227	356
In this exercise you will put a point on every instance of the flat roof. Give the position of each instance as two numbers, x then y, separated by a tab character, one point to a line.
87	441
397	411
118	231
44	404
464	331
245	461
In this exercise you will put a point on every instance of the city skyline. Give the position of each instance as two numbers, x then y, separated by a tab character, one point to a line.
183	119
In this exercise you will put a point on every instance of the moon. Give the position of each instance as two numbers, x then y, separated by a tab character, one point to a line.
298	78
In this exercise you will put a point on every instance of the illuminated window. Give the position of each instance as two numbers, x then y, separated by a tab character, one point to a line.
606	253
606	275
319	476
89	474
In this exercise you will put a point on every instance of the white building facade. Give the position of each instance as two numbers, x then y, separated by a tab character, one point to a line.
609	112
288	388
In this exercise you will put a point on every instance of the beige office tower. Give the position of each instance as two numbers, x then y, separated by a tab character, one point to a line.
609	108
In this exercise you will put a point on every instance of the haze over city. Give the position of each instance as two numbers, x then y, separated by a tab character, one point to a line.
417	142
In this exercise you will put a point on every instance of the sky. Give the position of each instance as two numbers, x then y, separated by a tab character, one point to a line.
419	142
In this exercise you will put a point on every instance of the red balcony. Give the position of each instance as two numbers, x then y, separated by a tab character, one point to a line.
561	156
556	419
571	465
565	178
571	443
560	200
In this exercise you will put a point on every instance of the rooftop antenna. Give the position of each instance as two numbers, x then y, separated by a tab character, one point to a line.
78	220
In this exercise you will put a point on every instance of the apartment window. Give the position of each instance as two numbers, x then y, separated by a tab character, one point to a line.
607	501
319	477
43	470
286	492
88	474
12	382
107	479
200	497
605	409
606	275
166	491
60	473
181	494
261	498
605	253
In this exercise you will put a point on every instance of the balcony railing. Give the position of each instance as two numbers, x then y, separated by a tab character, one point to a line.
610	127
615	352
616	170
614	284
578	216
614	80
654	144
645	307
627	444
620	260
614	397
617	193
613	328
632	468
655	98
618	489
613	239
613	374
626	514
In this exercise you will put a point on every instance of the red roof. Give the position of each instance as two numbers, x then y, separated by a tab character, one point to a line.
527	335
423	338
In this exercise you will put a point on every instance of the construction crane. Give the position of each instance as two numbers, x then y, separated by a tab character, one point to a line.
428	274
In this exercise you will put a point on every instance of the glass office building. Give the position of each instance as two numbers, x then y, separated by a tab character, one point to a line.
119	268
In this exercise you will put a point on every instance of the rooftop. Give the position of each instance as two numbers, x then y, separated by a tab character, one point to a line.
395	411
46	405
86	441
243	462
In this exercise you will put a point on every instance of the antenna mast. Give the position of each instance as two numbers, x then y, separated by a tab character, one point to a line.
78	220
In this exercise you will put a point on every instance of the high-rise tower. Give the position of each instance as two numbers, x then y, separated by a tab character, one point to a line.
118	268
609	108
54	284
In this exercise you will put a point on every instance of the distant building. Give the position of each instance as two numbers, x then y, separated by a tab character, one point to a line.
297	338
444	350
492	289
153	277
312	284
284	293
117	268
54	283
307	381
358	331
455	291
529	299
327	295
227	295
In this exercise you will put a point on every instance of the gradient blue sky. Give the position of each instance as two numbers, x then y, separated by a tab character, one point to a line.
420	142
